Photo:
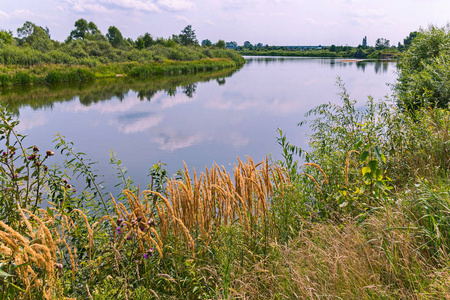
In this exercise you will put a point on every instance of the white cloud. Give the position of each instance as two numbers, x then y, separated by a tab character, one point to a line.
176	5
183	19
171	141
138	123
27	124
3	15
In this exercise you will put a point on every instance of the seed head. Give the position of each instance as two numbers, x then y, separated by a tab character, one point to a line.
35	149
50	153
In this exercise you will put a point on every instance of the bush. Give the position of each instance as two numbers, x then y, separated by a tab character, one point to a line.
424	77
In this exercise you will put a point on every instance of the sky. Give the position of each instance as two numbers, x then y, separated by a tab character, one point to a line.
272	22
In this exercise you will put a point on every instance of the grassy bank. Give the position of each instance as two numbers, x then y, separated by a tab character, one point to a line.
369	53
56	73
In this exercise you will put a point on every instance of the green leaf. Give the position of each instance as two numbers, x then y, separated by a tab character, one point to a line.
373	165
378	154
3	274
364	156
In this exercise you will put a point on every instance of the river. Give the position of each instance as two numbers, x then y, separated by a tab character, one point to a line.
198	120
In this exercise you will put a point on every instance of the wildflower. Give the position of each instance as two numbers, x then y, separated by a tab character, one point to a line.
45	168
151	223
145	255
38	164
74	190
4	153
50	153
35	149
138	219
65	181
119	230
68	186
119	221
129	237
32	157
143	228
58	266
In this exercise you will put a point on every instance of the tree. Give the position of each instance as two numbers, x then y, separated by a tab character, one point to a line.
381	44
333	48
424	76
6	37
221	44
206	43
83	29
188	37
114	36
34	36
231	45
408	40
364	42
248	45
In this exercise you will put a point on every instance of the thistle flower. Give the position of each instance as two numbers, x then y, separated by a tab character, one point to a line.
45	168
119	230
74	190
65	181
119	221
35	148
50	153
145	255
143	228
68	186
32	157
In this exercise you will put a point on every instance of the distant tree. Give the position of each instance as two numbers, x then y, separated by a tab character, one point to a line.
259	45
364	42
188	37
6	37
82	29
359	53
332	48
231	45
145	41
221	44
206	43
408	40
114	36
248	45
34	36
381	44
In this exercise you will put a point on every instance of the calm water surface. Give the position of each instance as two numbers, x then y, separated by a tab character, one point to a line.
198	120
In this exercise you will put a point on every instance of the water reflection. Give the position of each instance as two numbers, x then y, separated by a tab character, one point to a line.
38	97
379	66
197	119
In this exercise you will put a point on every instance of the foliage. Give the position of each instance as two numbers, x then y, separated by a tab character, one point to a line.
114	36
424	74
187	36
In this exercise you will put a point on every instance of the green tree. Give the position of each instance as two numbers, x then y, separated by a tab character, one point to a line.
248	45
83	29
221	44
188	37
408	40
231	45
424	76
381	44
6	37
114	36
206	43
34	36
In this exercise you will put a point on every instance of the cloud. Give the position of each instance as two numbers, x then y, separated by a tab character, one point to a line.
137	122
3	15
176	5
86	6
183	19
27	124
171	141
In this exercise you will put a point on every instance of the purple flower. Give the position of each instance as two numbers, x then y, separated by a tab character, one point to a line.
129	237
145	255
119	230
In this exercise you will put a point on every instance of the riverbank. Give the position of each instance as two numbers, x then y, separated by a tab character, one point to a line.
326	53
60	73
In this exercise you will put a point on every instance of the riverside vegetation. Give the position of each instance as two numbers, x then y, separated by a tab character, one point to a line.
366	215
34	58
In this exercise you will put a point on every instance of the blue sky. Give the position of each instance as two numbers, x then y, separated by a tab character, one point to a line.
273	22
